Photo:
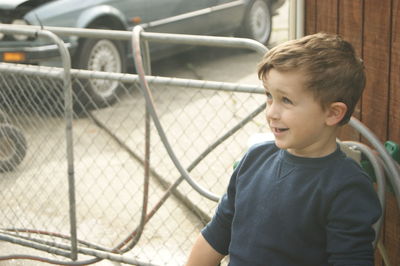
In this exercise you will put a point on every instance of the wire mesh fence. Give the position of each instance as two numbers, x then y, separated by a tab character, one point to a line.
120	215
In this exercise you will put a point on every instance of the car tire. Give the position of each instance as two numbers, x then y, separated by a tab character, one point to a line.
99	55
3	117
12	147
258	22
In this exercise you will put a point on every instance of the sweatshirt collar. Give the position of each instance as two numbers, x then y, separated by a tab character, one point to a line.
337	154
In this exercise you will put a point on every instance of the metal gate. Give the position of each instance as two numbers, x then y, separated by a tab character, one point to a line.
132	181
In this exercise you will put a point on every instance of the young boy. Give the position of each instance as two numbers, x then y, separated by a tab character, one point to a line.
299	200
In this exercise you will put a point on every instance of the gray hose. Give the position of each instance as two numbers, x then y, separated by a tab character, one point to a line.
152	110
393	170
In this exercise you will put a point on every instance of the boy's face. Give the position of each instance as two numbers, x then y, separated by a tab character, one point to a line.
296	119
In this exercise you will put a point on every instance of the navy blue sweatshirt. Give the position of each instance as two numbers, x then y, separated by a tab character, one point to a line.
281	209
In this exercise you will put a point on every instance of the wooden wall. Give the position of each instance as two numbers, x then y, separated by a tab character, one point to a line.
373	27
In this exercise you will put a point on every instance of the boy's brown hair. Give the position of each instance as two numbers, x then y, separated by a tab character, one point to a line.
335	73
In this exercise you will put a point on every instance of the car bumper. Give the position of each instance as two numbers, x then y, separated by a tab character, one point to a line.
30	54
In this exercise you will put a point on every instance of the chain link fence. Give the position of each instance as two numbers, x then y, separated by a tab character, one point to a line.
104	185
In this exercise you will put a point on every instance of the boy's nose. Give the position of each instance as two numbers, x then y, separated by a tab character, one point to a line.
272	112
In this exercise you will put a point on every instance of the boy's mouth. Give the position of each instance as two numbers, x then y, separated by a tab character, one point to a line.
279	129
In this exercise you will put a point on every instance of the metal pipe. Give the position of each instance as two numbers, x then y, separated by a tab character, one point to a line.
300	18
214	41
43	71
292	19
296	19
203	40
31	244
66	63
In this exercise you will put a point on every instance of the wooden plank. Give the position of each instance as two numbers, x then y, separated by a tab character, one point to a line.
392	229
394	94
376	54
376	57
310	17
392	216
327	16
350	27
373	27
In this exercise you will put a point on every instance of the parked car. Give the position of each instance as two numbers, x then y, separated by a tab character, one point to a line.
12	144
247	18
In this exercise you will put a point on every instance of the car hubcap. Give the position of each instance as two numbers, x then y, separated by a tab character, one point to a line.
104	57
6	148
259	22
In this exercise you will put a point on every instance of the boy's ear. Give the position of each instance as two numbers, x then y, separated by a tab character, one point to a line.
335	113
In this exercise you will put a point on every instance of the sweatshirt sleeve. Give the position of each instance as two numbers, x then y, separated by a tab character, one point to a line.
218	231
354	209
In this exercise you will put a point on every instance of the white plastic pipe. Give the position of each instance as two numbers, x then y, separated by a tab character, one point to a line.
296	19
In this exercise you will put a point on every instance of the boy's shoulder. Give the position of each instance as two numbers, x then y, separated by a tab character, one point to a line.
268	144
257	153
345	172
263	147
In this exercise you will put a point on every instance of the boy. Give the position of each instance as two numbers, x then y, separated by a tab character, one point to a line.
299	200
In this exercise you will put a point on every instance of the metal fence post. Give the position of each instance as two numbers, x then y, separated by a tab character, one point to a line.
66	61
66	76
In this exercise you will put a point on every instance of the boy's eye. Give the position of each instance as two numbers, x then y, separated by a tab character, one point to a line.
269	96
286	100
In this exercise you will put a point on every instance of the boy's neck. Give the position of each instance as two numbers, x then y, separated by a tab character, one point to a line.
319	149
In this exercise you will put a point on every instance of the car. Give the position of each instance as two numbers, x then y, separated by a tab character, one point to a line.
12	143
245	18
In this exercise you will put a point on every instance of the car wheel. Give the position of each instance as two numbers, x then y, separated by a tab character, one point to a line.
258	22
100	55
12	147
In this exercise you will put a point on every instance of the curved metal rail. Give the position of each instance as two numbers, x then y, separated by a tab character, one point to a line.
392	170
